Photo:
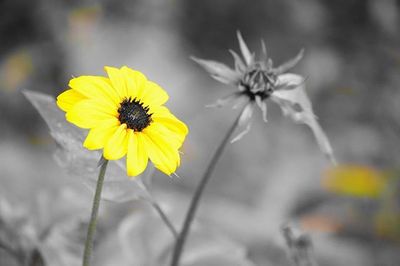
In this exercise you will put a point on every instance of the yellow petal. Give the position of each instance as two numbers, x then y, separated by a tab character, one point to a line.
118	81
99	136
162	115
95	87
153	95
68	99
173	138
137	158
176	128
164	156
117	145
90	113
135	81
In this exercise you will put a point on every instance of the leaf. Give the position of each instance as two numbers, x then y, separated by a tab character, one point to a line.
53	116
17	233
144	240
355	180
208	247
63	246
219	71
296	104
59	205
50	231
80	162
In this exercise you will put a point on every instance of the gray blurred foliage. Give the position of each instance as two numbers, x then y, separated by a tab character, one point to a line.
142	239
352	67
299	247
50	232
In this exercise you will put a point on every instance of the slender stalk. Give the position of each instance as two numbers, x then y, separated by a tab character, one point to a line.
180	242
165	219
93	219
149	197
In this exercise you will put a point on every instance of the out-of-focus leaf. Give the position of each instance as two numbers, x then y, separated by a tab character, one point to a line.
54	118
8	258
55	207
296	104
220	259
81	162
60	219
143	239
63	246
17	234
355	180
61	233
51	232
219	71
208	247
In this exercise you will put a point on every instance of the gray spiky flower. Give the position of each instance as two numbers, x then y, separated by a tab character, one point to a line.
258	81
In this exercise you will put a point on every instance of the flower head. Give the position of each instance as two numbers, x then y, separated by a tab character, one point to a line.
259	80
126	116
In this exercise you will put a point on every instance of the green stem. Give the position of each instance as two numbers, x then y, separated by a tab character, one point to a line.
180	242
93	219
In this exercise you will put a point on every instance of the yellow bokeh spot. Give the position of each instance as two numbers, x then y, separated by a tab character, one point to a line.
355	180
82	21
86	14
387	225
15	70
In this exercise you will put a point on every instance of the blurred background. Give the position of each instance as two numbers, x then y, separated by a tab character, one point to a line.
276	174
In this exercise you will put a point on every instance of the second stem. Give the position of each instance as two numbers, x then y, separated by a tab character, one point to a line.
180	242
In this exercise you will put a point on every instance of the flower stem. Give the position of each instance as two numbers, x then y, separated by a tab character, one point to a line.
165	219
180	242
93	219
150	199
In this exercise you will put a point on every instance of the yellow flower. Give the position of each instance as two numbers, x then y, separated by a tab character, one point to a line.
126	116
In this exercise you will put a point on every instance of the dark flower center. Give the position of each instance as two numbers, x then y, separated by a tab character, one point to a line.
258	82
134	114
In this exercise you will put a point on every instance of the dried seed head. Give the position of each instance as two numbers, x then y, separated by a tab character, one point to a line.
258	83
